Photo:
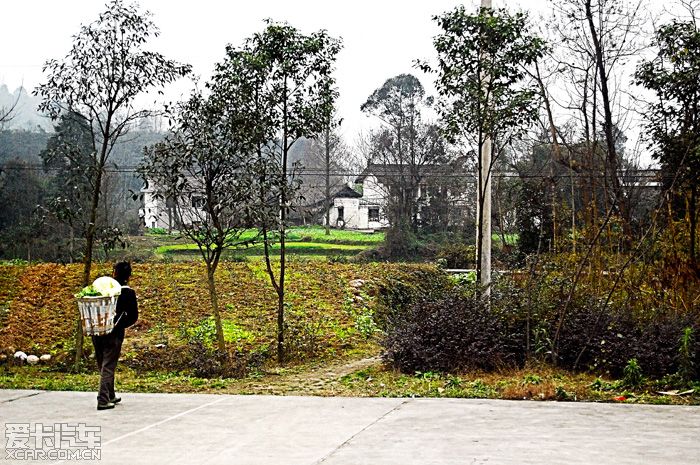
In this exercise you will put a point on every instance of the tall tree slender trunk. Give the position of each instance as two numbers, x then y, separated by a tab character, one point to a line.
282	229
92	224
87	259
612	158
693	225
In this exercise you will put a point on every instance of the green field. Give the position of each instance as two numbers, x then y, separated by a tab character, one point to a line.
304	242
293	248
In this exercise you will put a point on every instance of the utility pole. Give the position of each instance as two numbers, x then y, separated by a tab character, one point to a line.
327	202
483	216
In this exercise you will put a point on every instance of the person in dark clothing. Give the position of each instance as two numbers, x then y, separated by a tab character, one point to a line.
109	346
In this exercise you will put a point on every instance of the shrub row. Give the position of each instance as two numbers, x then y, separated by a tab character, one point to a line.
453	331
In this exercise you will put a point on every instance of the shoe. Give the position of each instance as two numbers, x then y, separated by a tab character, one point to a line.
106	406
116	400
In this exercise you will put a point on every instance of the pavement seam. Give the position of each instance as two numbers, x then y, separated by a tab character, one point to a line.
22	397
158	423
349	440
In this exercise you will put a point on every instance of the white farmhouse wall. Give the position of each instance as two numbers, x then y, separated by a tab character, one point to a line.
372	190
155	213
352	215
356	214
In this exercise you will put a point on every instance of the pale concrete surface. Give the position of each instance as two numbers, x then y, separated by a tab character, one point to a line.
259	430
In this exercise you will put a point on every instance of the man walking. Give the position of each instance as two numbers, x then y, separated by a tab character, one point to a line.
109	346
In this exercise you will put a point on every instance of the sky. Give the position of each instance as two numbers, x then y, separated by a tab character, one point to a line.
381	38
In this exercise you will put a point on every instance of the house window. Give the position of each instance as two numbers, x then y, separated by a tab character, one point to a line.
373	214
198	202
341	213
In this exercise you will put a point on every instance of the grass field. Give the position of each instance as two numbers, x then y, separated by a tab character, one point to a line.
293	248
302	242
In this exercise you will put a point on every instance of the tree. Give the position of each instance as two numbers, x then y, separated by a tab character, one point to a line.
334	152
403	148
324	162
673	120
7	113
68	153
288	77
105	70
480	79
596	40
203	168
21	216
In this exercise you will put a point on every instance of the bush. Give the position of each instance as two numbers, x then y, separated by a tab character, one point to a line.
457	255
452	334
208	363
606	339
447	330
157	231
397	293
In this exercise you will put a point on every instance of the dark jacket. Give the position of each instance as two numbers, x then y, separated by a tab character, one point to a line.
127	310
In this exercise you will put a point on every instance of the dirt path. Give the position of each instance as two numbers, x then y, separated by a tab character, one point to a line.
324	380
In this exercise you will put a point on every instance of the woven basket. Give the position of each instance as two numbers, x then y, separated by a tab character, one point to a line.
97	314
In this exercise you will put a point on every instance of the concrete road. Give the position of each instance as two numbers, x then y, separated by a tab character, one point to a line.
258	430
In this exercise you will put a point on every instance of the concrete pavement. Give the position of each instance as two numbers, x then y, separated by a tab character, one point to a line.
258	430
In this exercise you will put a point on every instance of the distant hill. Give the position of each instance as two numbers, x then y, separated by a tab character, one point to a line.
25	115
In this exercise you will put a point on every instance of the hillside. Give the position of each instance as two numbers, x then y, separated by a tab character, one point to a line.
325	314
25	115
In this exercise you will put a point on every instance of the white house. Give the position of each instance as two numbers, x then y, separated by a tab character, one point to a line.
365	205
159	212
354	210
154	211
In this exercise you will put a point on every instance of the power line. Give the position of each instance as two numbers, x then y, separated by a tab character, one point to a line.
637	174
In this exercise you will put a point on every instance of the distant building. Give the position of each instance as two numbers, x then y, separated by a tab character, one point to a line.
153	211
354	210
160	212
439	192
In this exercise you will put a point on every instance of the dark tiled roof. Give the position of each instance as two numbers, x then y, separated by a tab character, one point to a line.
347	192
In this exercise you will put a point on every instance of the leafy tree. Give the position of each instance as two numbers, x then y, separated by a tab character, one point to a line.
480	78
285	79
203	169
105	70
404	148
21	217
674	119
68	153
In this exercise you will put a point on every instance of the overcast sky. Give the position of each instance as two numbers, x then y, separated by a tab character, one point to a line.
381	38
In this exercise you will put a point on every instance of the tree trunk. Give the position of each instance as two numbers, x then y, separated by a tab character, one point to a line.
693	226
90	233
211	270
87	260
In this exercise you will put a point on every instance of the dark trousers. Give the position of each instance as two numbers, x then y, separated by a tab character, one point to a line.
107	350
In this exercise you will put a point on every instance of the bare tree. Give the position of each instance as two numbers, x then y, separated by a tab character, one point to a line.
597	39
325	164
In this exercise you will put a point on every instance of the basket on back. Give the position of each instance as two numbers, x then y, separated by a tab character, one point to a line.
97	314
